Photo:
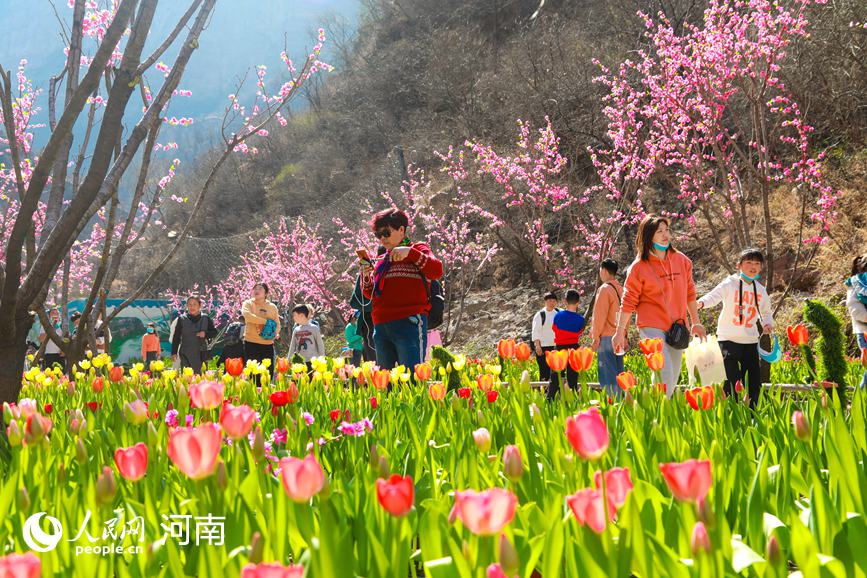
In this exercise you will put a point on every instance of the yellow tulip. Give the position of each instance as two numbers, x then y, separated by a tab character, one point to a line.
84	364
299	368
188	372
339	362
227	379
138	366
459	363
157	365
169	374
329	377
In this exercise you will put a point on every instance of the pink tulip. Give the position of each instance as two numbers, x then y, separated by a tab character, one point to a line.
272	571
206	394
495	571
135	412
20	566
513	469
302	479
689	481
485	513
588	434
699	541
132	462
237	421
618	484
589	509
194	450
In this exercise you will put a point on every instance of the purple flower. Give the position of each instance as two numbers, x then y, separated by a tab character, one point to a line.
279	436
308	418
356	429
189	420
172	418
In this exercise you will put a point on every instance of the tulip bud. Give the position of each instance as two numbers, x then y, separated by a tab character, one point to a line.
61	473
14	434
257	547
383	467
705	513
106	487
8	416
468	553
700	541
535	414
80	451
153	436
258	445
82	426
35	428
482	438
480	417
512	466
222	476
775	552
70	388
525	380
183	399
453	515
374	456
23	500
325	492
508	556
823	400
801	426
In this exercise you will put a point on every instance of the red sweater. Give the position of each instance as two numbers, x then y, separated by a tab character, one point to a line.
402	291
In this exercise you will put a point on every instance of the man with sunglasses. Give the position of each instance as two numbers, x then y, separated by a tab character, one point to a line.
398	285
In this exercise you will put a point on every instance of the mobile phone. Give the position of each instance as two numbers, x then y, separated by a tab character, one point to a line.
363	256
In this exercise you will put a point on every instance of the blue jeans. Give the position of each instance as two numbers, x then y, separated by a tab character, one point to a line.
610	366
862	343
401	342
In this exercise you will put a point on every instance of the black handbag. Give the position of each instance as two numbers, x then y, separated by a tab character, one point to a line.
678	335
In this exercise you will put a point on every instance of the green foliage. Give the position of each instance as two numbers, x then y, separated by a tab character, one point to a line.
830	344
443	357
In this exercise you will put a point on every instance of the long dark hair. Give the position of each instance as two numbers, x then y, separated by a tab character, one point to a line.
646	230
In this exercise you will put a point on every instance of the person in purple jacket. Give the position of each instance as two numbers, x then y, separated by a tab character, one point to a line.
568	327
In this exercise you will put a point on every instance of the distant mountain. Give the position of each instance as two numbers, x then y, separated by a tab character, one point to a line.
241	35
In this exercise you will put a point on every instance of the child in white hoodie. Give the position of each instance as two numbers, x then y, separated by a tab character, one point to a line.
856	303
746	314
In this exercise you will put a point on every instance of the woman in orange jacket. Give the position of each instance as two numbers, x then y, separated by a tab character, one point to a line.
150	344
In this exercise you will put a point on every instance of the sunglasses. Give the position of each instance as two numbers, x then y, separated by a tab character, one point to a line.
382	234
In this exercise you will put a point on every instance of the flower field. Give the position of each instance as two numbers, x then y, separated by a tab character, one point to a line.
155	473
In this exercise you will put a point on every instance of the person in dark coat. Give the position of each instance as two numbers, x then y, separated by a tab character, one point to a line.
190	339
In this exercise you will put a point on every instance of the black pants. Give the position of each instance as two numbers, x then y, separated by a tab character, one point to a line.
52	359
233	351
365	329
260	352
742	364
544	370
554	382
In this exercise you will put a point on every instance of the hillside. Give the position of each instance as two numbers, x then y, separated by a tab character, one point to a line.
420	76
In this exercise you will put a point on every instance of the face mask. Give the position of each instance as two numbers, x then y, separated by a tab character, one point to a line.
746	277
150	329
659	247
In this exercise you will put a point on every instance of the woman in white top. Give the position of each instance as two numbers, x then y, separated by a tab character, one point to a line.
856	303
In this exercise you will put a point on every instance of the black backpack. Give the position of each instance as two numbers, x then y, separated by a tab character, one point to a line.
437	304
234	333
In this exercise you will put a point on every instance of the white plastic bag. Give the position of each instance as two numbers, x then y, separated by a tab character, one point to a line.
707	358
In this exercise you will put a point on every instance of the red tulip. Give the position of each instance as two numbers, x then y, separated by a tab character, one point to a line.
302	479
626	380
373	403
580	359
423	371
97	384
485	381
801	426
700	398
699	541
115	374
464	392
282	365
335	414
618	484
47	409
279	398
689	480
506	348
798	334
437	391
381	378
589	509
396	494
36	428
237	421
485	513
649	346
493	395
207	394
194	450
588	434
235	366
272	570
20	566
655	361
557	360
92	405
523	351
132	462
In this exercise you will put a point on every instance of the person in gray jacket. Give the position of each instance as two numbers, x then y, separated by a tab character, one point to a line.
191	334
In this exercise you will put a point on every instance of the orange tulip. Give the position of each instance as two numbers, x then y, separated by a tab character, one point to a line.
235	366
798	334
580	359
381	378
115	374
557	360
649	346
700	397
423	371
485	381
523	351
506	348
655	361
437	391
626	380
282	365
